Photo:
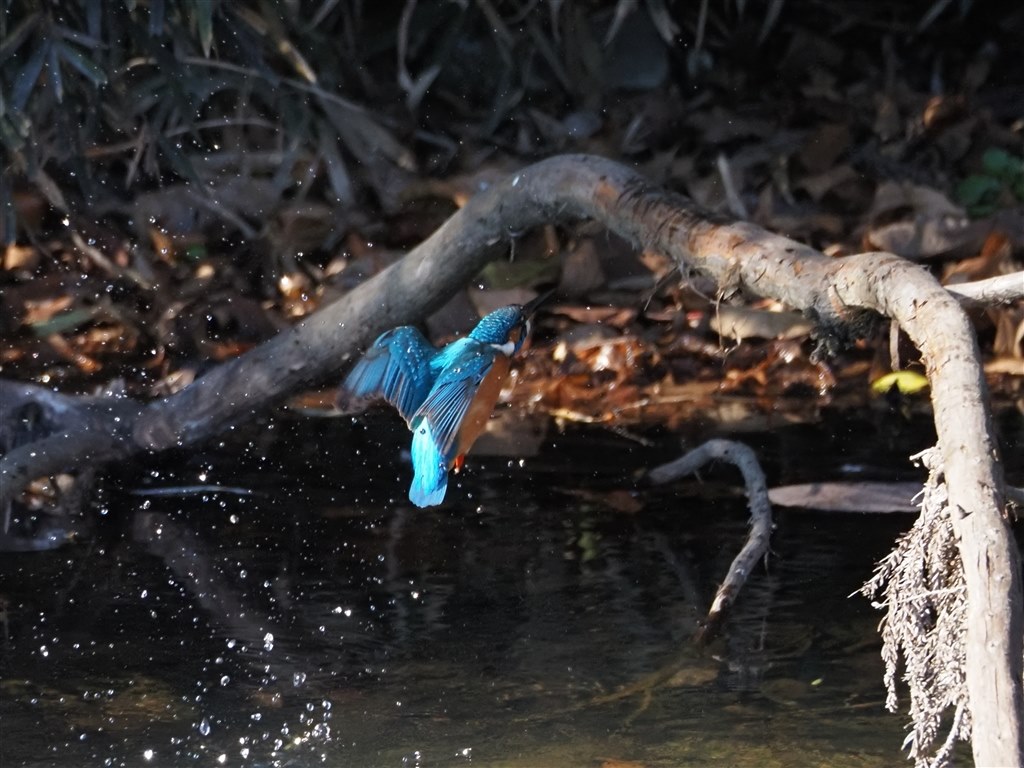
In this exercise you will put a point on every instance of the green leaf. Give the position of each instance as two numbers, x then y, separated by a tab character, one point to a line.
65	321
1001	164
978	194
1017	187
86	66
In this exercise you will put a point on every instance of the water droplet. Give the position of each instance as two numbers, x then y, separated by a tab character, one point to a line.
268	641
204	727
298	679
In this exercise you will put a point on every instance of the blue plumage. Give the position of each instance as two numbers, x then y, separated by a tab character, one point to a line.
445	395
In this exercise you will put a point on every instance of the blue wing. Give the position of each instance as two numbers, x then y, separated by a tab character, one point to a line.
451	396
398	368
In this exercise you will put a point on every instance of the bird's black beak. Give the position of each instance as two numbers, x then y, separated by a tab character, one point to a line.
531	307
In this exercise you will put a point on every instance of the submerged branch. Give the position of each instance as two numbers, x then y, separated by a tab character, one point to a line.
756	546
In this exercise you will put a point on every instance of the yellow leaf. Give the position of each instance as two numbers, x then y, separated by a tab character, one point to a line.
906	382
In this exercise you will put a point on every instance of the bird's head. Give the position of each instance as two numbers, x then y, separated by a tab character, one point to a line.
507	328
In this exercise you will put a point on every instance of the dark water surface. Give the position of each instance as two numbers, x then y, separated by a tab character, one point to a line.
319	619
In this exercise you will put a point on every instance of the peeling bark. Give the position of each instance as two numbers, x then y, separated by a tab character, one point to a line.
838	293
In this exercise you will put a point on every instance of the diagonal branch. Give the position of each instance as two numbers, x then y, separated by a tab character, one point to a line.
756	545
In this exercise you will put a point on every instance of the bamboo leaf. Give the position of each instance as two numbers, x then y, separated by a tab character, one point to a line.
9	136
53	70
156	18
204	24
29	74
93	17
17	36
86	66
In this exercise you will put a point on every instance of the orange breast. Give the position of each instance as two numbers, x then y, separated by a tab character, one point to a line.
483	404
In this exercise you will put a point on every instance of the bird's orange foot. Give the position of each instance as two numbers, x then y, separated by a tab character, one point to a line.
460	462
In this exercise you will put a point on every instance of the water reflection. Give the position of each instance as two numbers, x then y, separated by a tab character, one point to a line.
521	624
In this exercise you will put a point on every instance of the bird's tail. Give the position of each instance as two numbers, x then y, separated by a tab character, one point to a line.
430	479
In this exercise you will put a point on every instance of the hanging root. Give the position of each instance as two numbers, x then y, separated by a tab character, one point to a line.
921	586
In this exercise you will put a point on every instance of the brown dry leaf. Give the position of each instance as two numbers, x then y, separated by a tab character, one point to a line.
173	382
820	184
617	317
1005	365
84	363
40	311
115	339
859	497
918	222
746	323
824	147
486	302
1009	340
581	269
298	295
888	121
612	762
796	219
617	500
943	110
994	259
894	196
720	126
301	227
162	245
20	257
923	238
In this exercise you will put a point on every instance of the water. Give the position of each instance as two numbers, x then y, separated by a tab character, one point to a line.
321	620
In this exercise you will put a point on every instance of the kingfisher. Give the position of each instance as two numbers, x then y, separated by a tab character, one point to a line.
445	395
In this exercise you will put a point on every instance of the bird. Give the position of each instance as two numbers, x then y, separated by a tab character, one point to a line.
445	395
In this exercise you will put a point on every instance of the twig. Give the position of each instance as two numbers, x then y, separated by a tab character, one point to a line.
756	546
732	195
100	260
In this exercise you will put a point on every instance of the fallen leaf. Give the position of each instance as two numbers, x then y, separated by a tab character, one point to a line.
905	382
745	323
858	497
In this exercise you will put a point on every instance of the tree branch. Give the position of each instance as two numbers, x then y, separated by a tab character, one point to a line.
739	256
756	545
1002	289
